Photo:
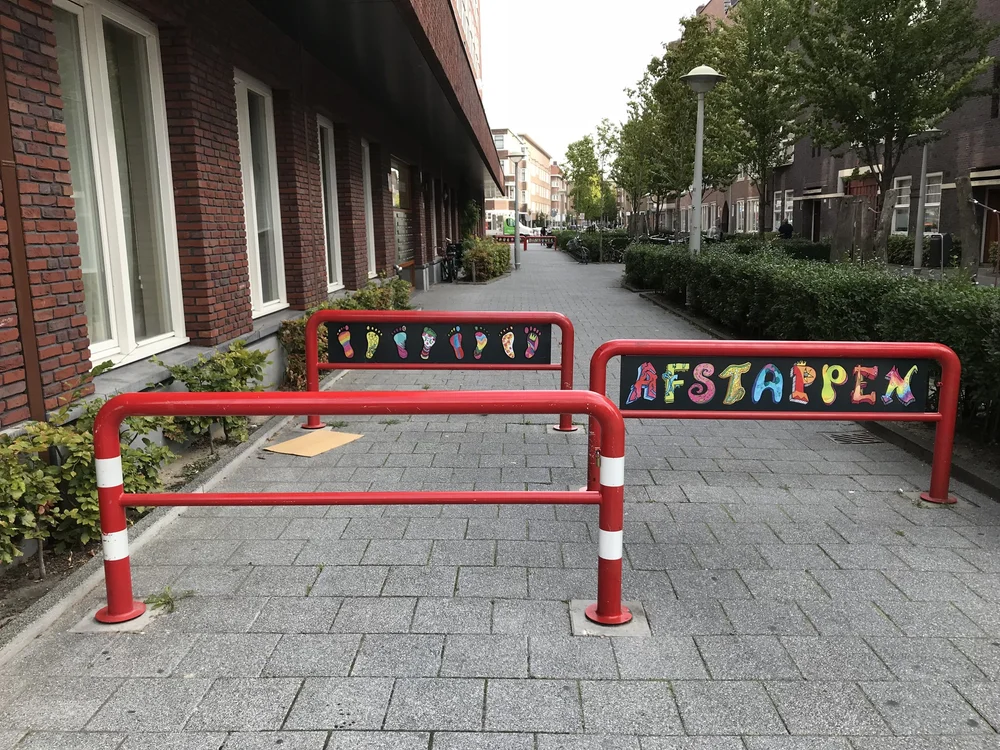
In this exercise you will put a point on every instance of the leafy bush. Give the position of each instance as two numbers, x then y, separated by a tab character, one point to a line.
485	258
591	239
769	295
238	369
49	478
391	294
799	247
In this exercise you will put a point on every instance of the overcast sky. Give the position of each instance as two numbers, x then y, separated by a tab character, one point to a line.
567	67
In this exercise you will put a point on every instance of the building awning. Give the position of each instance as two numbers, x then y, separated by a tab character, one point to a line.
406	58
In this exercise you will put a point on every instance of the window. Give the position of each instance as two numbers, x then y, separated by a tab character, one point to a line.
498	142
741	225
817	151
116	131
510	191
776	211
932	204
366	186
399	183
259	164
901	210
331	214
789	205
753	215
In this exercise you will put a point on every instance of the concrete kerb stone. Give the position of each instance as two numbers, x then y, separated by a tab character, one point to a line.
28	625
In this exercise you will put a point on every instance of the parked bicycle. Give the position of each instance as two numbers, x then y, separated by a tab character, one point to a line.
452	260
578	250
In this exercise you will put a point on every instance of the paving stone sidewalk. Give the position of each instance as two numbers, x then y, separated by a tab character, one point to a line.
797	601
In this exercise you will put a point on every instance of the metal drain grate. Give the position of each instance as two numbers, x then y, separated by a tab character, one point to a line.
853	438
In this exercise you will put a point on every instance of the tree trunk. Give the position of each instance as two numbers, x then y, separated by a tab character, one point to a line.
677	213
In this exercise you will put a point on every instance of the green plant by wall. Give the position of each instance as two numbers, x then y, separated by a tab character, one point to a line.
389	294
485	258
472	219
235	370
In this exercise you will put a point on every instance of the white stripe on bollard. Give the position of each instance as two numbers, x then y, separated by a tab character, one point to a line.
612	471
109	472
609	545
115	545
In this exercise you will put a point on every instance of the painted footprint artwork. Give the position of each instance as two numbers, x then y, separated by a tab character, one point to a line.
481	340
373	336
429	338
399	339
533	335
507	340
455	339
344	339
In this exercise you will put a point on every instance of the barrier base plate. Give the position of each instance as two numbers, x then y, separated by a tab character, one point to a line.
90	623
920	498
637	627
553	429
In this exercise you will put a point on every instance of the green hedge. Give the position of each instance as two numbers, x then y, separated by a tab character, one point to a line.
485	258
770	295
901	246
592	241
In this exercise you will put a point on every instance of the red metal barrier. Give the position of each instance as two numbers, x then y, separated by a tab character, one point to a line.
313	365
945	416
121	606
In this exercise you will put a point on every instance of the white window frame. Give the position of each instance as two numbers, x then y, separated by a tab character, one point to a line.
776	211
902	202
753	215
741	217
335	275
789	205
929	204
122	347
245	84
366	186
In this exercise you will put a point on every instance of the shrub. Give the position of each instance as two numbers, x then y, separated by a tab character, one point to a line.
770	295
235	370
391	294
485	258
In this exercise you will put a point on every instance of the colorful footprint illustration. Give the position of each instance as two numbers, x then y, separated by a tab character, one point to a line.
344	337
373	336
455	339
399	338
507	339
533	334
429	338
481	340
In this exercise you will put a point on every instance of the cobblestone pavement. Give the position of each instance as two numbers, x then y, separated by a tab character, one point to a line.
796	599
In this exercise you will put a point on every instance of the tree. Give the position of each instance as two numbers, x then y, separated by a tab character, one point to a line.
872	73
582	171
759	63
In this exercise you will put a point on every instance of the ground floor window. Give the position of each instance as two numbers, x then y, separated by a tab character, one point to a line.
331	213
932	205
789	205
116	132
901	209
741	217
366	186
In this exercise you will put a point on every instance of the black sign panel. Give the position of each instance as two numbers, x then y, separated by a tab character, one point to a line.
781	384
460	343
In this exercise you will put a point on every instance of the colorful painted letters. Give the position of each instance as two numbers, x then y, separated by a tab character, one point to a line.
645	384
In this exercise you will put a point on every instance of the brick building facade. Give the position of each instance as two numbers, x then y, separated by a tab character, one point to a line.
180	173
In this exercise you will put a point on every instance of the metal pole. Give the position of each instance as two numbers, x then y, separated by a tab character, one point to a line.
694	243
517	215
918	240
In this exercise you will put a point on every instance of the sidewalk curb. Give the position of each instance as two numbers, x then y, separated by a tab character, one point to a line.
32	622
887	431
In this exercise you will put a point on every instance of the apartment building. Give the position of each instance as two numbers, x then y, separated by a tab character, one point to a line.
177	174
536	182
560	196
467	15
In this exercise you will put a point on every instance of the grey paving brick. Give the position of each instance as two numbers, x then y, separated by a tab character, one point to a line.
864	556
767	617
207	580
666	658
350	580
729	557
56	703
533	706
340	703
688	617
297	615
708	584
183	551
384	655
378	741
374	615
784	585
924	659
370	528
464	552
142	655
529	617
485	656
245	704
665	532
173	741
279	580
726	708
412	580
483	741
796	556
528	554
571	657
437	528
325	551
930	619
985	614
797	743
149	705
452	615
826	708
315	528
919	708
742	657
924	586
502	583
629	708
487	528
313	655
227	655
436	704
9	738
835	658
71	741
271	740
57	654
266	552
983	652
691	743
397	552
983	584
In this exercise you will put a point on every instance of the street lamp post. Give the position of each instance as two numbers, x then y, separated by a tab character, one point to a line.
918	240
518	157
701	80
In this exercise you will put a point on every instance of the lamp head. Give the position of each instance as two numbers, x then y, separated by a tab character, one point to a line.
703	79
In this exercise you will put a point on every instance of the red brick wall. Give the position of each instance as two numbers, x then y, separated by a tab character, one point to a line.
350	202
27	43
208	188
382	212
13	398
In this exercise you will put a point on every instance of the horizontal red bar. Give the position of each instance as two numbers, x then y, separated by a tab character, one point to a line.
363	498
842	416
438	316
443	366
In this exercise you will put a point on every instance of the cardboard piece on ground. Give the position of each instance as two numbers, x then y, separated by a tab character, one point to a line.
316	442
